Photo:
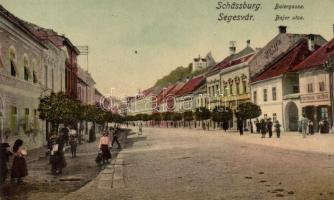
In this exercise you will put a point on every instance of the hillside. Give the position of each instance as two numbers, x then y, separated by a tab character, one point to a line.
178	74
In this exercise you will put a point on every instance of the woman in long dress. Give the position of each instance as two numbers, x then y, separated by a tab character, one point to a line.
105	143
19	167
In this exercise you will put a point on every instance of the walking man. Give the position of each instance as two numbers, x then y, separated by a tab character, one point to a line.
263	126
278	129
270	127
115	137
304	123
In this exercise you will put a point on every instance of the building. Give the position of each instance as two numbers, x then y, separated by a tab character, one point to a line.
276	48
85	87
21	81
184	98
315	84
166	99
200	63
276	89
234	80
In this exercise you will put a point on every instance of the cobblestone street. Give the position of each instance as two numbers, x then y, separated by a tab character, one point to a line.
194	164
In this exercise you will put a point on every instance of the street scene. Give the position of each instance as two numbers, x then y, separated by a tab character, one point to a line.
166	100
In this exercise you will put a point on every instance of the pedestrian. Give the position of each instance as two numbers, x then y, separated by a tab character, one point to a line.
326	126
263	127
58	160
65	133
258	127
304	123
73	144
278	129
19	167
321	126
240	126
270	127
104	146
4	159
115	137
225	125
310	127
140	129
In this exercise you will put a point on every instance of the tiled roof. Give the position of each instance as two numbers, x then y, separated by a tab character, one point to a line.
191	85
234	59
19	23
319	57
285	63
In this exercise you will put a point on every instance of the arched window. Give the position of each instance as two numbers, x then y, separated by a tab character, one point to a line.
34	71
12	60
26	68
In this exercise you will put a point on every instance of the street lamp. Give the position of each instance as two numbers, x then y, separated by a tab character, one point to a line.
328	65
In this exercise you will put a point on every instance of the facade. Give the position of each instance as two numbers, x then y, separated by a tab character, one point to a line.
85	87
184	98
21	81
277	89
234	81
315	84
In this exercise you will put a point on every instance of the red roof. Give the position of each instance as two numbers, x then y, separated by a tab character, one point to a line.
191	85
319	57
286	63
229	63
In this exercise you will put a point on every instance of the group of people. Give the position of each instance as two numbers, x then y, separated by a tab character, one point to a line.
19	167
265	126
109	137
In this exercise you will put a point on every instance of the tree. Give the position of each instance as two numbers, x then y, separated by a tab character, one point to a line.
222	114
249	111
202	113
188	116
176	117
156	117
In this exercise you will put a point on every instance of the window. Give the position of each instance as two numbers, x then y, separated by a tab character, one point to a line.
237	86
244	87
309	87
255	97
12	58
265	95
274	117
225	90
26	70
13	120
231	89
34	77
321	86
265	116
324	112
35	119
295	89
52	79
273	91
46	75
26	118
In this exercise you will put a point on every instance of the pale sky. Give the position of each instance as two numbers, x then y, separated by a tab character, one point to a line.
166	33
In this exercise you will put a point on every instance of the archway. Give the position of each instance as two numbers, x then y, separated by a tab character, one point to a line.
291	116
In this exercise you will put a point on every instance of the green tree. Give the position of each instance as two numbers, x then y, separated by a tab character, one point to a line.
188	116
222	115
249	111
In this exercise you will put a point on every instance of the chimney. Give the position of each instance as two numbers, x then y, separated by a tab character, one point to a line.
248	43
232	47
282	29
310	42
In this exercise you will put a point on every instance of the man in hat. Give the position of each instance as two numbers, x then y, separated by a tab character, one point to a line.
4	158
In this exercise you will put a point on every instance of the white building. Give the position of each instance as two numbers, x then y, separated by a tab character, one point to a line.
276	88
